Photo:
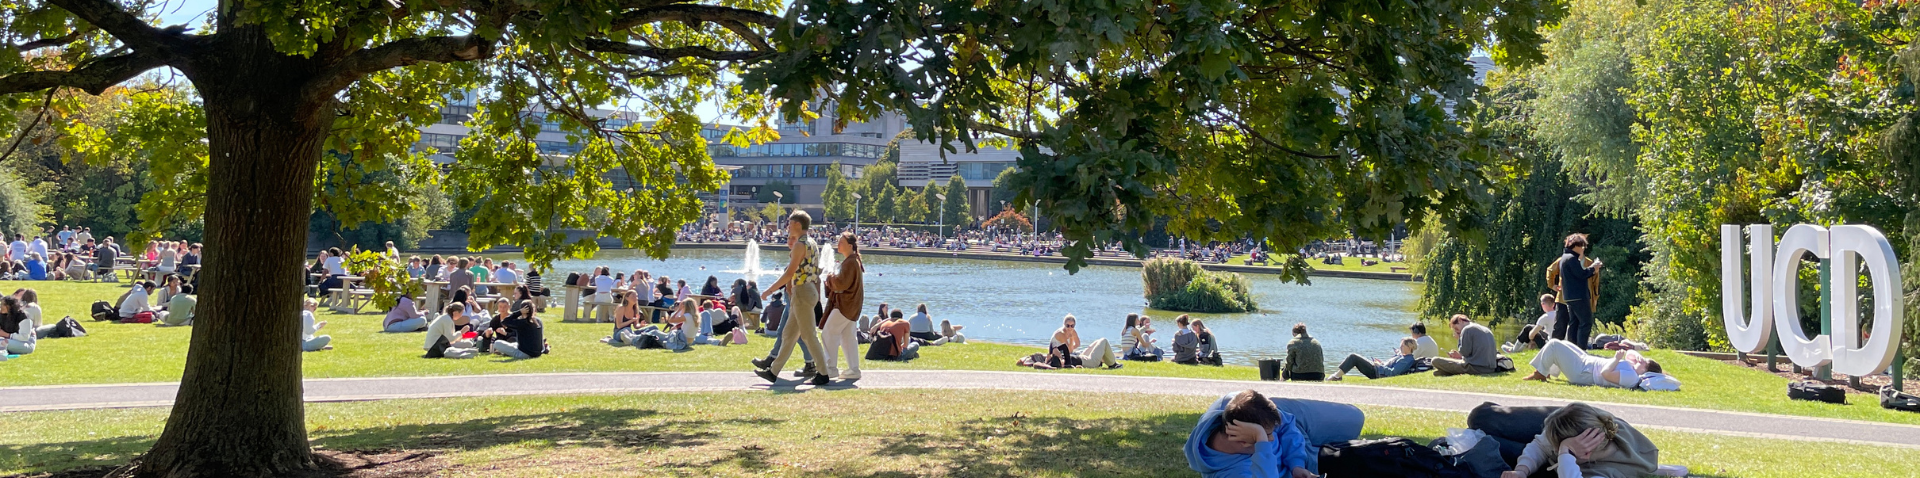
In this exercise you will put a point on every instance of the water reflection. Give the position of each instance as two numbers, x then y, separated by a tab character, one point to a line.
1022	303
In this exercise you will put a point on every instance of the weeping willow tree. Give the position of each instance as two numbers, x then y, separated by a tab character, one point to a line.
1499	271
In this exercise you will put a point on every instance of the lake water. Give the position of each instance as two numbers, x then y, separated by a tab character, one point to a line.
1022	303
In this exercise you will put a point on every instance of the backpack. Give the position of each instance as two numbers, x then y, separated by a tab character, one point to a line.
1658	382
573	278
880	348
1815	391
65	328
739	336
104	311
1394	456
439	348
1894	399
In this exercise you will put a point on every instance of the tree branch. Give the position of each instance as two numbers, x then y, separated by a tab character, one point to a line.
403	52
675	53
55	41
692	14
93	78
118	22
1002	130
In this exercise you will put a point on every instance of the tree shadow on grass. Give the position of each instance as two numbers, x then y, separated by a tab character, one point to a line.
585	427
1149	445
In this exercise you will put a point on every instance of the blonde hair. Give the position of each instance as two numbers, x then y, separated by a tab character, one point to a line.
309	303
1576	418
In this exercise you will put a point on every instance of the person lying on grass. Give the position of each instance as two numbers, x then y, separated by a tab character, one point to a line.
1401	362
1249	438
1560	357
1583	442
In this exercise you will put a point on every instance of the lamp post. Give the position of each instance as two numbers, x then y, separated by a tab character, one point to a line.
856	213
777	197
942	227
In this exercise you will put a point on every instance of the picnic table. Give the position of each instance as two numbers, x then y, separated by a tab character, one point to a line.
349	299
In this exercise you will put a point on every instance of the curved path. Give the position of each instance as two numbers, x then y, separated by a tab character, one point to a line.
77	397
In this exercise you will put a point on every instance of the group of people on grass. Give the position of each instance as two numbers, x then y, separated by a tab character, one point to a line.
21	326
1247	434
1192	344
73	254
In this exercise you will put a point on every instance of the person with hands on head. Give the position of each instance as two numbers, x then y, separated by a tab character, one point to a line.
1249	437
1587	442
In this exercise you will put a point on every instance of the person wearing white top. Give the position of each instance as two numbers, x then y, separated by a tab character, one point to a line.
135	301
39	246
19	247
603	286
308	341
336	265
169	259
1563	358
1424	346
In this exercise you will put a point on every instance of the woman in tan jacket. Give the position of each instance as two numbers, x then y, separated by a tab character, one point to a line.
846	290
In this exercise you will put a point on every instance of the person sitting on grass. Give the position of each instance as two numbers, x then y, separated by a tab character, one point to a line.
1563	358
1209	352
1305	360
1248	437
1475	356
134	302
525	336
1582	441
1401	362
1425	347
36	268
1135	343
1186	345
17	334
446	334
1037	360
1067	339
406	316
1535	335
895	340
922	325
179	309
308	341
626	321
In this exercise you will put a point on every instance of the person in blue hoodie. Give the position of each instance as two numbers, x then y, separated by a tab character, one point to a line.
1317	422
1248	437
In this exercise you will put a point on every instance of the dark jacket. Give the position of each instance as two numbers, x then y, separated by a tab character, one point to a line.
1574	274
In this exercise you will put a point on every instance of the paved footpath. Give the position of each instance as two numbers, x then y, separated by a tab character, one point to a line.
77	397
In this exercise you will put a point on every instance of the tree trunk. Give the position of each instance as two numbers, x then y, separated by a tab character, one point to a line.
239	411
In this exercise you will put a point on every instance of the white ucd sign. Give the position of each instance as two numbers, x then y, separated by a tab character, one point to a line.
1775	291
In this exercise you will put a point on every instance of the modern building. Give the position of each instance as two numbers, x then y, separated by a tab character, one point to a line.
800	158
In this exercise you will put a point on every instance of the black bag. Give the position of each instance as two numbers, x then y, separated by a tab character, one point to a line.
573	278
1386	457
1483	461
1270	369
104	311
1815	391
881	348
1893	398
647	341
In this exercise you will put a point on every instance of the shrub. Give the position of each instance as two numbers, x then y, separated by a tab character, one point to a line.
1181	285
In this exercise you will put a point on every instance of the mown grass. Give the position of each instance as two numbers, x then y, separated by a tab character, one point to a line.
116	353
820	433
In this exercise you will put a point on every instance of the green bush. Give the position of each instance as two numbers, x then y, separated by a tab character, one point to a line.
1181	285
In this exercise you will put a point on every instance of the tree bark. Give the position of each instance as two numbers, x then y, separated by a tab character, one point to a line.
239	410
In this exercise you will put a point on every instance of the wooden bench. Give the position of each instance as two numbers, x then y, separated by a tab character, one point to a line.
1253	262
1397	269
351	301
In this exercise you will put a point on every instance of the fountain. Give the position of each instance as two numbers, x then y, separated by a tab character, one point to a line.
750	267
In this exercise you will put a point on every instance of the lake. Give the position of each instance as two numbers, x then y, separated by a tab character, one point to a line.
1022	302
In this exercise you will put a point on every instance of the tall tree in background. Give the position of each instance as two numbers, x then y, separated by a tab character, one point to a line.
886	205
276	83
838	196
957	210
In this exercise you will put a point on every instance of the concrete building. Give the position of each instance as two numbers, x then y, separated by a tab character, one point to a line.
921	163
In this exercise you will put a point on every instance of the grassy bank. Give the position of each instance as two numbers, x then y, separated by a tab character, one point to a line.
823	434
143	353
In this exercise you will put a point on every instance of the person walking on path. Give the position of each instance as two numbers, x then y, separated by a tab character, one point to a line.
846	294
801	280
1576	278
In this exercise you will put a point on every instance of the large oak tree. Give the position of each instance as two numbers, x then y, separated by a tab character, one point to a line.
1281	120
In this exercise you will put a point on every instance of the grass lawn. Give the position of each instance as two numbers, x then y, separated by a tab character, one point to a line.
824	434
1350	264
116	353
